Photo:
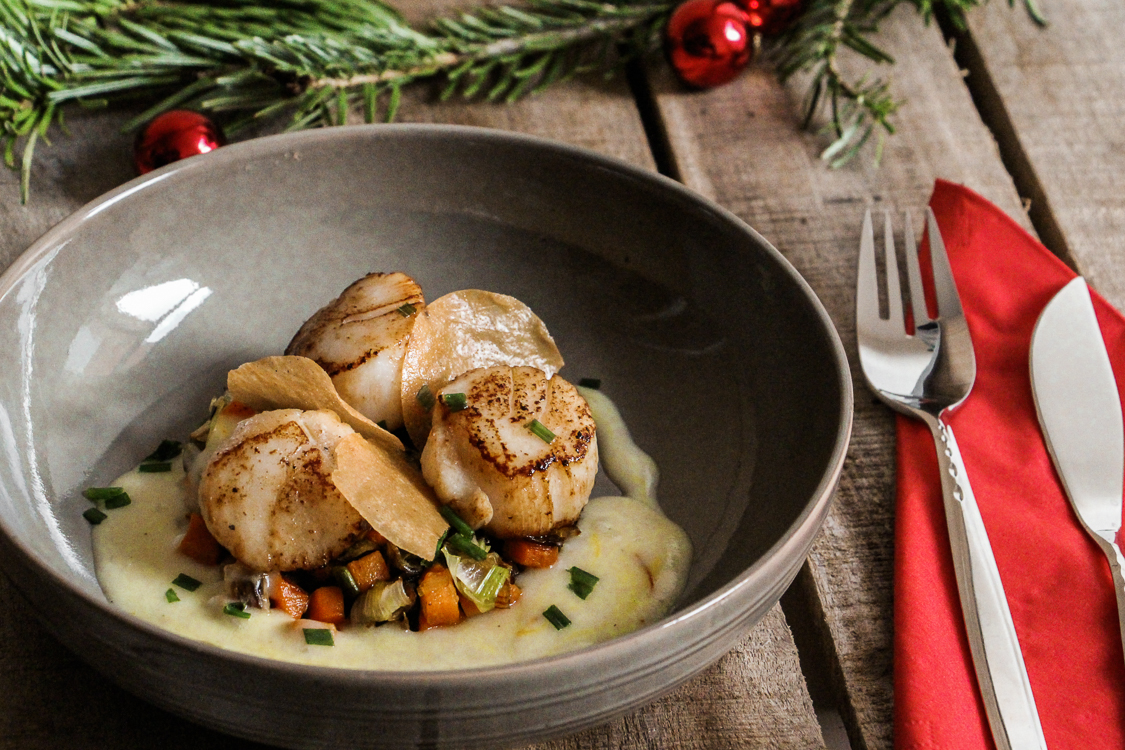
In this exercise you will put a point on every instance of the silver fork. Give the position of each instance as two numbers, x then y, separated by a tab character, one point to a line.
926	375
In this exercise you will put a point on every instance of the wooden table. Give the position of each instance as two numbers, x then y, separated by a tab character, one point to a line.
1030	118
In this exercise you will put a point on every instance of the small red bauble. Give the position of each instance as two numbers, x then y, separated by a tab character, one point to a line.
770	17
172	136
707	42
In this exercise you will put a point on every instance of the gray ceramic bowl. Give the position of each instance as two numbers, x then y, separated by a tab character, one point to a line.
725	365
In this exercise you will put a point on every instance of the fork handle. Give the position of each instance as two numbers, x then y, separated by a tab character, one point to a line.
1001	675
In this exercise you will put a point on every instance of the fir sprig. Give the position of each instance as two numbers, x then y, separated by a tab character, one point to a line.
317	60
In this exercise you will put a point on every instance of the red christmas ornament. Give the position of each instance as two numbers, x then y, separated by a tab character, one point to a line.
770	17
172	136
707	42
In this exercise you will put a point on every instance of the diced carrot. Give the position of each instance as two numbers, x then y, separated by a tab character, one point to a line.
467	605
439	599
369	569
508	595
326	604
290	599
238	410
376	537
531	554
199	545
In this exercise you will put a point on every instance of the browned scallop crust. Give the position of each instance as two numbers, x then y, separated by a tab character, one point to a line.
366	315
533	486
267	496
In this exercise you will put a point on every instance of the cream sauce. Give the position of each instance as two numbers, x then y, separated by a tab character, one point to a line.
639	555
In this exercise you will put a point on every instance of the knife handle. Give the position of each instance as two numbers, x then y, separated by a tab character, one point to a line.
1107	540
1001	675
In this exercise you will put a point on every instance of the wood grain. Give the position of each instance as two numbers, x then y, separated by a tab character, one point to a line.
741	146
755	697
1058	96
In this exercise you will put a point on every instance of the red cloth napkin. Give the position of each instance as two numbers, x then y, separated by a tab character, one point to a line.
1056	579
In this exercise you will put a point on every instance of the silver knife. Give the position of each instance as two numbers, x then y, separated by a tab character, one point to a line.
1080	412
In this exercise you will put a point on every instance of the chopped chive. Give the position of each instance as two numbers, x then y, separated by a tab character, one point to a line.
465	547
346	580
425	397
186	582
581	582
456	521
155	467
407	310
236	609
319	637
592	383
101	493
455	401
166	451
540	431
556	617
170	595
117	501
94	516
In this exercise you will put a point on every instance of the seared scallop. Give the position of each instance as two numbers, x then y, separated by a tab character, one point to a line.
360	338
267	493
512	451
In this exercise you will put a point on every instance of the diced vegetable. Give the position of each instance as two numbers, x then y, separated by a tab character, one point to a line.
170	595
166	451
119	500
455	401
478	580
326	604
555	616
236	609
440	604
581	582
383	602
369	570
95	494
198	544
455	521
186	582
319	637
155	467
508	595
531	554
541	431
346	581
94	516
249	586
465	546
290	599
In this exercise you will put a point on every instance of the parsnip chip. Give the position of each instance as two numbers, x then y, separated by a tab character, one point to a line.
390	494
463	331
299	383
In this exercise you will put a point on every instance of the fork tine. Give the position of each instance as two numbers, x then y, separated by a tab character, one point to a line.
894	291
867	285
948	301
914	278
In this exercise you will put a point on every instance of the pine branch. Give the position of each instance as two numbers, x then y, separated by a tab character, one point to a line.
316	60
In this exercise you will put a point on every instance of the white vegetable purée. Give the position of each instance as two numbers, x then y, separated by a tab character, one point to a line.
640	557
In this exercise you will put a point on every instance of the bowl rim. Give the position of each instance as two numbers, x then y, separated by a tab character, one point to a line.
56	239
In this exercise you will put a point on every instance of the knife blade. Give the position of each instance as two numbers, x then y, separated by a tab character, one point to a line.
1079	410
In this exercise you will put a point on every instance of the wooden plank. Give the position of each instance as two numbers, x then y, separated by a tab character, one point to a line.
740	144
1057	99
755	696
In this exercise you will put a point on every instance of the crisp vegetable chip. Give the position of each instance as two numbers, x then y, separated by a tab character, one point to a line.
463	331
390	495
299	383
